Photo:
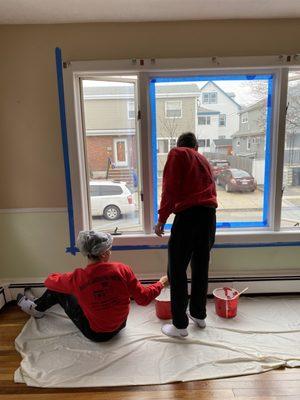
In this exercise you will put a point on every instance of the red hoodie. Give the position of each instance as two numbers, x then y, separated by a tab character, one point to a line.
103	291
187	181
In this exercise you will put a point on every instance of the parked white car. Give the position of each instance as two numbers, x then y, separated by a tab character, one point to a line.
110	199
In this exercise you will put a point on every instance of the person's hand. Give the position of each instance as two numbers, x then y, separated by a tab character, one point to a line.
159	229
164	281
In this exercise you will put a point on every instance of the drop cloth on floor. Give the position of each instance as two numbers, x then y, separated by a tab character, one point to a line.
264	335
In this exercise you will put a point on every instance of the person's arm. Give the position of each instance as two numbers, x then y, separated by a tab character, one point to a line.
171	185
143	295
60	282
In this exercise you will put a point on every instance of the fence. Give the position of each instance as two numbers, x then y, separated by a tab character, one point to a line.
244	163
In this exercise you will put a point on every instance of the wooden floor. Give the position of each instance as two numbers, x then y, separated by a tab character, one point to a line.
283	384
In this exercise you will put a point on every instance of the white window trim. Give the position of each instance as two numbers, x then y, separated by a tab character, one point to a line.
175	67
166	108
209	93
248	143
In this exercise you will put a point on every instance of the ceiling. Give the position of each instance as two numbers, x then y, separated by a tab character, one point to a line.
71	11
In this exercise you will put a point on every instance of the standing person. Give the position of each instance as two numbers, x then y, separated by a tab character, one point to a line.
96	298
188	191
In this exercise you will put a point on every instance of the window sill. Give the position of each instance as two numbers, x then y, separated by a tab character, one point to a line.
224	239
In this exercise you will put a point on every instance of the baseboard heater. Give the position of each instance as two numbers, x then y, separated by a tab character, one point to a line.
278	285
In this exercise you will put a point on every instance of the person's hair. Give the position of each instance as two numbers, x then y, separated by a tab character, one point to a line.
187	139
93	244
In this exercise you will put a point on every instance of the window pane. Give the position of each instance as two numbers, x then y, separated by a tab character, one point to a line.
238	162
112	154
163	146
290	214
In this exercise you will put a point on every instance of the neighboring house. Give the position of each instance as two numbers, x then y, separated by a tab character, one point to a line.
249	141
176	113
110	117
217	115
222	146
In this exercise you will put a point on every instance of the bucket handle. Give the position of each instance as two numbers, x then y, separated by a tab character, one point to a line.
237	295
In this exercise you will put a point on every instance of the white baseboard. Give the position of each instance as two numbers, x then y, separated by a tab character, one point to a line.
256	286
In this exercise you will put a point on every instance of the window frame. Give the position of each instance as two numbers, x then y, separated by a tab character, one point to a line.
149	69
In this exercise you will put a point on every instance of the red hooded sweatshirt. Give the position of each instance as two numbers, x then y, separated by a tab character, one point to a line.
103	291
187	181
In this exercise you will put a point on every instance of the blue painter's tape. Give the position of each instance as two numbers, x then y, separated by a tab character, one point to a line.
63	124
268	153
154	147
208	78
216	246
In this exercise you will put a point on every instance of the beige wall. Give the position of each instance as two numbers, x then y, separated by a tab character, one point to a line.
31	163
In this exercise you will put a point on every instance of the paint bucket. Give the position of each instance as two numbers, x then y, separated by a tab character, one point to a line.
226	302
163	305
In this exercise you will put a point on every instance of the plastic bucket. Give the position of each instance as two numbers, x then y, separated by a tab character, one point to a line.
225	304
163	305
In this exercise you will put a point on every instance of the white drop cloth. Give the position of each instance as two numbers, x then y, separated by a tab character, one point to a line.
264	335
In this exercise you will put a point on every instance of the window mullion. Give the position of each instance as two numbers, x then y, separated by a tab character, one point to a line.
279	145
146	164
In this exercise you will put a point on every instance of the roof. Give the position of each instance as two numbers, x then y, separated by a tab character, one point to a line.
128	91
229	94
202	110
222	142
248	133
259	104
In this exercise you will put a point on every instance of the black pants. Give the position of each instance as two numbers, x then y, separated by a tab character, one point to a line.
74	312
192	237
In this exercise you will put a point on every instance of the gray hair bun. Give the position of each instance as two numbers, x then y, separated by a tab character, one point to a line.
93	244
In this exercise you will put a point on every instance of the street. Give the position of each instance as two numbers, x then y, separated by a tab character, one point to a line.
233	207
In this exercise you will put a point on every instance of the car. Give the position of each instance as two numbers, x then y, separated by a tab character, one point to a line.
218	166
236	180
110	199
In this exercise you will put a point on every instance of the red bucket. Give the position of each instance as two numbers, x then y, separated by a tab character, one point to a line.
226	302
163	305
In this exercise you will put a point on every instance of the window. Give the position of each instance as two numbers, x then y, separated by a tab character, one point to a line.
162	146
173	109
210	98
130	110
201	142
204	120
163	94
112	145
237	208
244	118
165	145
222	120
290	208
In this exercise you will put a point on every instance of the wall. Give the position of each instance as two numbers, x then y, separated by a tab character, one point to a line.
31	163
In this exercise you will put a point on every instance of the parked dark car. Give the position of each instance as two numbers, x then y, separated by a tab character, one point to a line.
236	180
218	166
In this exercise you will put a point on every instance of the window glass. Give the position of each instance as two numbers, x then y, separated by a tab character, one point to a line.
112	146
163	146
226	138
290	212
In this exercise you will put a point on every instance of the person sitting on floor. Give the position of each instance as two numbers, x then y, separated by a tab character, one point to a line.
96	298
